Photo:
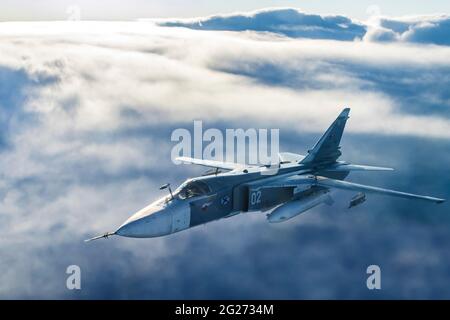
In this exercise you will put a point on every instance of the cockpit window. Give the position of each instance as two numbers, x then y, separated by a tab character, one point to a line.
192	189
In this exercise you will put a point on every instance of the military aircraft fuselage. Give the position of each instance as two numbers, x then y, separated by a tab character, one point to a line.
297	184
212	197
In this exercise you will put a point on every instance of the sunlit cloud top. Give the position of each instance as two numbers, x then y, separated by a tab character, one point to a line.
297	24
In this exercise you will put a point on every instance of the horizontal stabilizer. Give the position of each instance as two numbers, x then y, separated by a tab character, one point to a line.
290	157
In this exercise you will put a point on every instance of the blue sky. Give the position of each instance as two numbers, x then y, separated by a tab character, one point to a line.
86	114
120	10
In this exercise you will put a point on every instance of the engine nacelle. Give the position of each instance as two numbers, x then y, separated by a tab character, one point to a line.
295	207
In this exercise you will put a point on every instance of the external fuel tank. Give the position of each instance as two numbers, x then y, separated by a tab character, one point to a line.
295	207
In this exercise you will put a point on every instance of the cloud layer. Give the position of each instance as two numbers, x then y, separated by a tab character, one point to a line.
288	22
87	109
297	24
420	29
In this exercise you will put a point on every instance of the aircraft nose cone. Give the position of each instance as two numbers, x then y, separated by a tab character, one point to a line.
152	221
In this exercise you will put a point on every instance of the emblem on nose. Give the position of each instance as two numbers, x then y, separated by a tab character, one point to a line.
225	200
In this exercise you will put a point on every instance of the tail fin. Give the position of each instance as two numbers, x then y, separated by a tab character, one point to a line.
327	149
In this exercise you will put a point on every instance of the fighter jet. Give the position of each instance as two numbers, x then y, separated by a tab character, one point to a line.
299	184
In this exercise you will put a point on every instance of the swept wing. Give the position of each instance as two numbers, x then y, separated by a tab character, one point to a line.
302	180
212	163
339	184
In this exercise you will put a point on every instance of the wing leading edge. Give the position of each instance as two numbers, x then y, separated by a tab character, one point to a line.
356	167
212	163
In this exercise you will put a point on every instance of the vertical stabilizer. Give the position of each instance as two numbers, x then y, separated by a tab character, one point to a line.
327	149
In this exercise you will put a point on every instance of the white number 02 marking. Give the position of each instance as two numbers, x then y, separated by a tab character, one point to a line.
255	197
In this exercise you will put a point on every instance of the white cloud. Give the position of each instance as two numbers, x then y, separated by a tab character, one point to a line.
291	22
286	21
179	75
85	144
428	29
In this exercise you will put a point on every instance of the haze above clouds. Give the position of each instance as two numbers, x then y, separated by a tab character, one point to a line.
87	109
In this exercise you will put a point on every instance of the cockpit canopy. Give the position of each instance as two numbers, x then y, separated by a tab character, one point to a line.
191	189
